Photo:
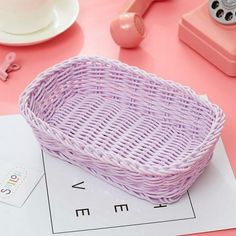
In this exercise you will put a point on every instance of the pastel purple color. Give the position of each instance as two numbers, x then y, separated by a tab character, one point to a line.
146	135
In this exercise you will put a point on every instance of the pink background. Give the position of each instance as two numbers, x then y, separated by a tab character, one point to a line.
161	53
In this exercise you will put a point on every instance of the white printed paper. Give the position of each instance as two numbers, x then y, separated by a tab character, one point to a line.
71	202
80	202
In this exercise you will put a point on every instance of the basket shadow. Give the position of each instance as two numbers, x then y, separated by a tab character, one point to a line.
138	57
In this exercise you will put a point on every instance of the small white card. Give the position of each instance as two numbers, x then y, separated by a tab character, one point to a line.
17	182
20	170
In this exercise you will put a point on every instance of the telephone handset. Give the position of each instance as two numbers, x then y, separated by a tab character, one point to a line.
223	11
128	29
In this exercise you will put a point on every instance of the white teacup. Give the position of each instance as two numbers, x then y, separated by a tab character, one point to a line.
25	16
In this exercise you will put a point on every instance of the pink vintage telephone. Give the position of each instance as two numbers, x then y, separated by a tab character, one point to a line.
128	29
210	30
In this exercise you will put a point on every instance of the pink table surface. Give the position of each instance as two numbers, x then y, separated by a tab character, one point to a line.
161	53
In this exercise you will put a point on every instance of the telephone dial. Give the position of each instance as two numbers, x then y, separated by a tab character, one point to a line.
223	11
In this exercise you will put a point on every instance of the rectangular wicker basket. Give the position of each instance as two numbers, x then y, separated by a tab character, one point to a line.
148	136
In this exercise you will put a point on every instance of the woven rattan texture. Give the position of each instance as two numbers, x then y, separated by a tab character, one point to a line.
145	135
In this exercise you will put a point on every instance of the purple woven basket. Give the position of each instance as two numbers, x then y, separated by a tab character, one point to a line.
148	136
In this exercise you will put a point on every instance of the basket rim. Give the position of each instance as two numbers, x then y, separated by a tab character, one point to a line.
85	149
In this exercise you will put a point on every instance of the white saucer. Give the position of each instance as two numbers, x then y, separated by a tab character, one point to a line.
65	14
